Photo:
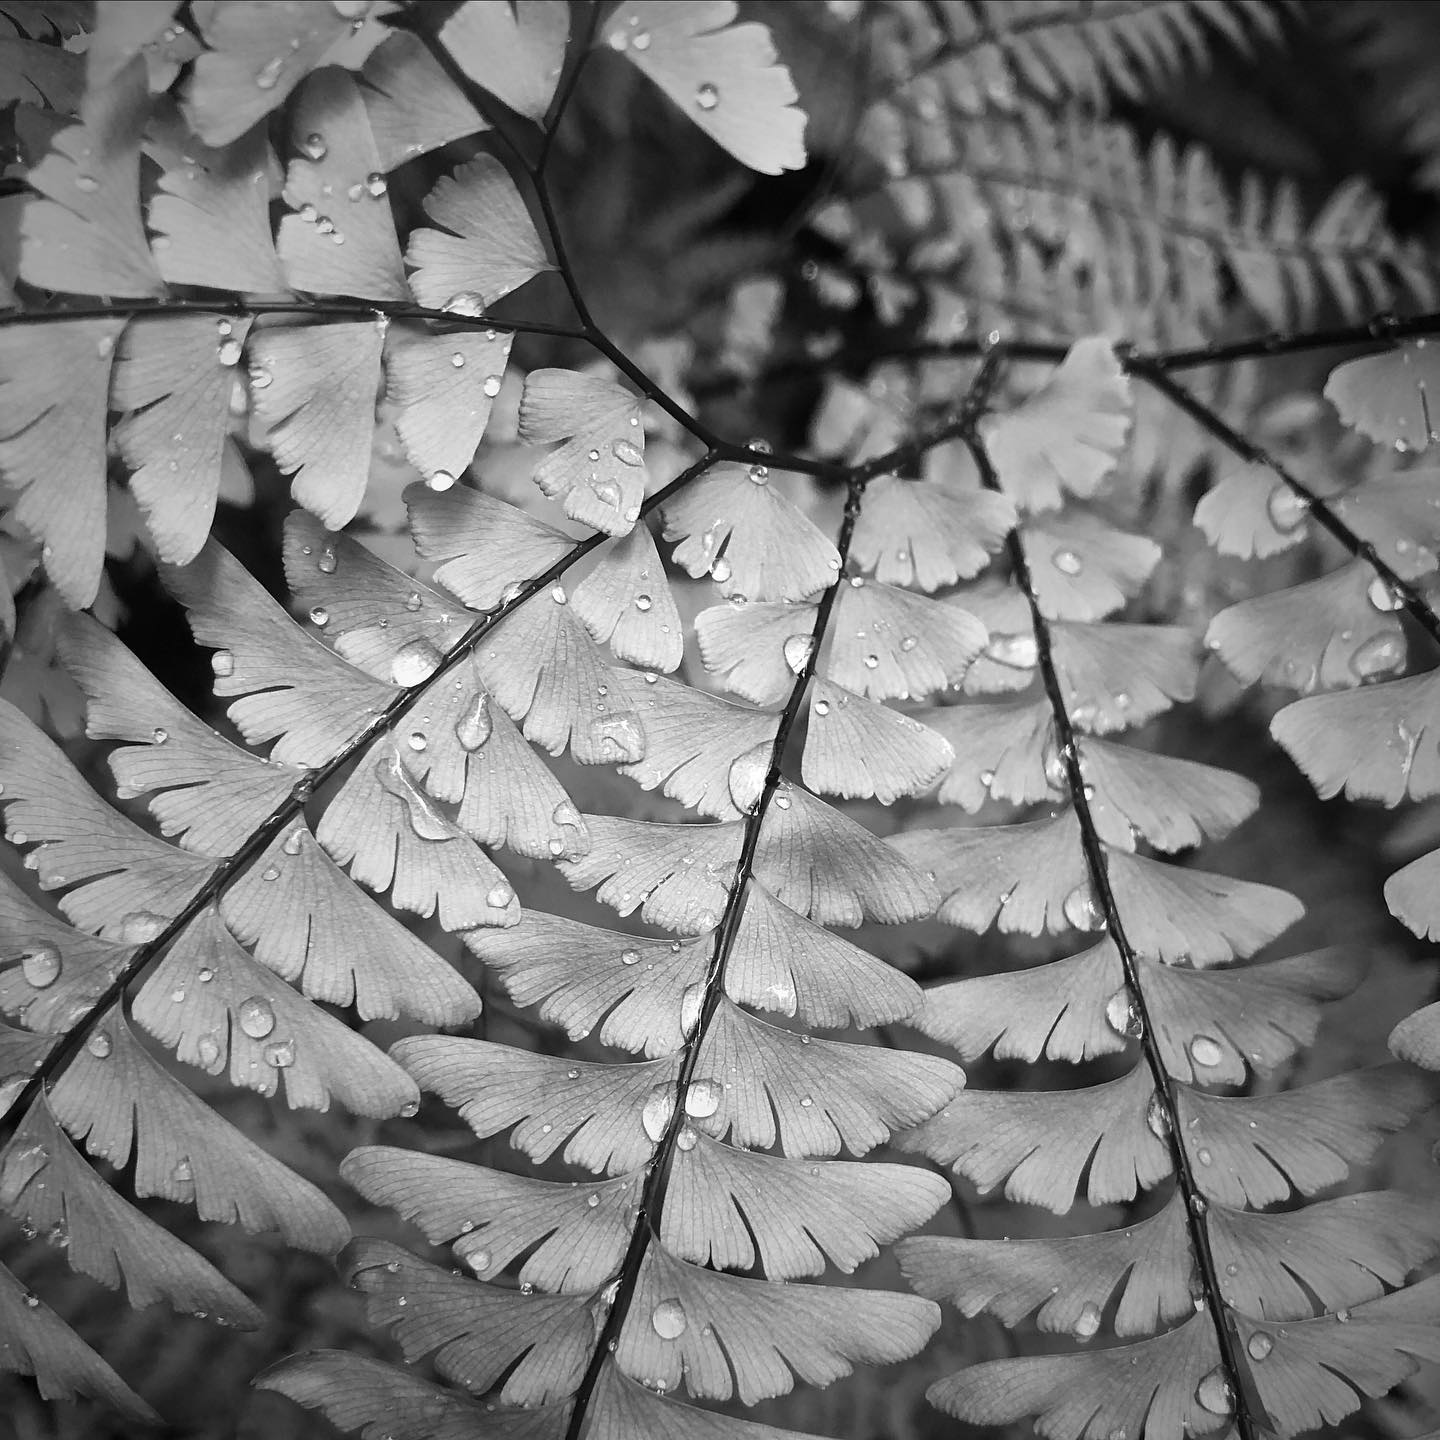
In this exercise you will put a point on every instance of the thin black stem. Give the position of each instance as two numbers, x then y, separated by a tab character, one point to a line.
566	89
292	807
1250	1413
1409	595
657	1179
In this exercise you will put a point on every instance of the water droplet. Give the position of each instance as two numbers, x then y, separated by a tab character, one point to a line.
619	739
270	872
268	75
292	842
492	385
41	966
229	352
641	42
707	97
414	663
1067	562
668	1319
760	474
908	643
1214	1393
643	603
327	563
440	481
1383	596
86	184
319	616
872	662
205	975
1081	911
690	1005
1205	1050
207	1050
659	1107
500	897
375	185
313	147
222	662
99	1044
1204	1156
308	213
798	650
627	452
256	1017
1286	508
139	927
1259	1345
478	1260
702	1099
1157	1118
1018	652
821	708
1087	1323
280	1054
1123	1016
417	740
466	302
260	378
32	1300
476	725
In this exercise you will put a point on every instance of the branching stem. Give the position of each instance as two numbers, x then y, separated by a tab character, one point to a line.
1249	1410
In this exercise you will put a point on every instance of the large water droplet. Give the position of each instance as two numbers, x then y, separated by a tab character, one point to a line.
395	780
320	616
1081	911
1259	1345
1087	1323
492	385
139	927
222	662
1067	562
41	966
720	570
99	1044
475	725
619	739
327	564
500	897
207	1050
690	1004
707	97
798	650
1286	509
414	663
702	1098
1018	652
659	1107
1123	1016
375	185
312	147
1379	656
228	352
1157	1118
440	481
668	1319
256	1017
465	302
1214	1393
627	452
1383	596
1206	1051
293	841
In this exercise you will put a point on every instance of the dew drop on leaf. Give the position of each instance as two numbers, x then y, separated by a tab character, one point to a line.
99	1044
627	452
1122	1015
417	740
280	1054
619	739
256	1017
492	385
41	966
702	1098
1204	1156
1081	911
1259	1345
1087	1323
1205	1050
292	842
183	1172
721	570
465	302
327	562
1383	596
476	725
643	603
1017	652
798	650
440	481
659	1107
268	75
690	1004
229	352
270	872
260	378
707	97
1286	508
139	927
313	146
375	184
478	1261
320	616
630	957
688	1138
500	897
1157	1118
668	1319
207	1050
1214	1393
414	663
222	663
1067	562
